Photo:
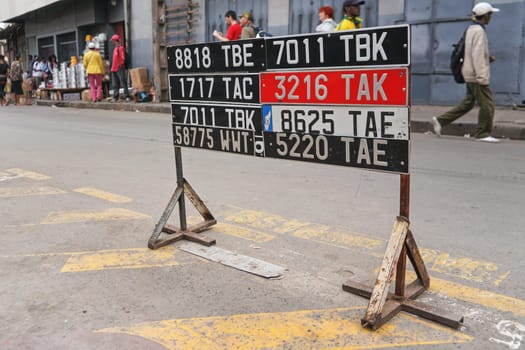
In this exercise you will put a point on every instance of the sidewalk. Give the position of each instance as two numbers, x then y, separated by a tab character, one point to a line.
509	123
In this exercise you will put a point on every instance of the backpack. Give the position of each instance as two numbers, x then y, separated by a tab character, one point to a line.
457	57
261	33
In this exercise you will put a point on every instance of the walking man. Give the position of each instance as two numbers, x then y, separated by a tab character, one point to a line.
476	72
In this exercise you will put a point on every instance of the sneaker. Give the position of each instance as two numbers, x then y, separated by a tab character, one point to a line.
437	126
128	99
488	139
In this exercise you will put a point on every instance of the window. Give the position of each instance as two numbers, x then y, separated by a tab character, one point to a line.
46	46
66	46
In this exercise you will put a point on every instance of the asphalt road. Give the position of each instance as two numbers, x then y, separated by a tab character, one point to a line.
81	190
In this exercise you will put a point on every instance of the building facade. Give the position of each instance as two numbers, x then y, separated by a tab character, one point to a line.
149	26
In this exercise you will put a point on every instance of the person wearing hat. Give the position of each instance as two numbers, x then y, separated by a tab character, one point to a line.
234	29
94	69
476	72
351	19
248	28
118	69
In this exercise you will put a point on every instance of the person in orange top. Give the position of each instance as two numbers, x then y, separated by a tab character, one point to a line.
234	29
118	69
94	69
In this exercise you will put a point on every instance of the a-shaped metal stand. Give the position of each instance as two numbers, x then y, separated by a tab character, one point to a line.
384	305
173	234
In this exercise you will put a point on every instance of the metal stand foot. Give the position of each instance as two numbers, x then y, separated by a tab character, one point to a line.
173	234
384	305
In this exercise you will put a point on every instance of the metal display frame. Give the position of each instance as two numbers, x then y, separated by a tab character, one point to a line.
383	305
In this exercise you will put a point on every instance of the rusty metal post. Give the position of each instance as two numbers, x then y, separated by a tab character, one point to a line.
404	211
180	184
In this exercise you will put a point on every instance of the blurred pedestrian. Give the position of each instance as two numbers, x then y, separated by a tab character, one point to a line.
16	75
326	16
38	73
94	70
476	72
351	12
234	28
248	28
4	72
118	69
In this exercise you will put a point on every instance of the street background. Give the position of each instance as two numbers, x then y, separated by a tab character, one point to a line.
81	190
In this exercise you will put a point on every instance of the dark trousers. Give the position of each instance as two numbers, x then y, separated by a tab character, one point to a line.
483	96
119	79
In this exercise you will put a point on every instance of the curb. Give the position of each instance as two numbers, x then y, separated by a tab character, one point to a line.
504	130
512	131
116	106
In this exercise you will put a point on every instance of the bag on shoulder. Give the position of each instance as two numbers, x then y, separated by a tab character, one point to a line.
7	86
456	59
261	33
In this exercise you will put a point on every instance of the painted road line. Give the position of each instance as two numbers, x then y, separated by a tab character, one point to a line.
137	258
477	296
28	174
242	232
261	220
113	214
310	329
234	230
336	237
107	196
13	192
7	176
302	229
460	267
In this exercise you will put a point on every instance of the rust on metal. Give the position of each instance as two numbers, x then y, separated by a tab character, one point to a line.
174	234
386	272
416	259
383	305
404	211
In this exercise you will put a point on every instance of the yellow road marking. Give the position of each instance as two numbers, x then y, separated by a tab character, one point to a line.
112	214
478	271
302	229
262	220
461	267
107	196
120	259
335	237
28	174
500	279
309	329
234	230
20	225
12	192
241	232
478	296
